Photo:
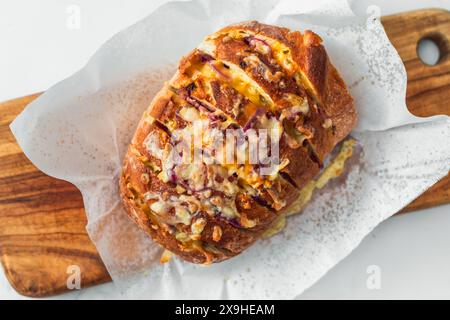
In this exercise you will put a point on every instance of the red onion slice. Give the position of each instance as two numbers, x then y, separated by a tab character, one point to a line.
204	57
213	65
253	119
199	104
254	42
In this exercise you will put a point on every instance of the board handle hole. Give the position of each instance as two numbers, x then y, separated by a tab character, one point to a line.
432	49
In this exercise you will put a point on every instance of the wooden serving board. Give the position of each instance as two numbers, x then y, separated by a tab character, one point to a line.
42	220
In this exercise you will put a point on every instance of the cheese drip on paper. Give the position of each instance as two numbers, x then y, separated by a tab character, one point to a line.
332	171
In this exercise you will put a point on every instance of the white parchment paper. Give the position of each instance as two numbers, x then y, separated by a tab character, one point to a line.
79	130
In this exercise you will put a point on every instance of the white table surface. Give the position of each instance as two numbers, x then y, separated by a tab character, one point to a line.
411	253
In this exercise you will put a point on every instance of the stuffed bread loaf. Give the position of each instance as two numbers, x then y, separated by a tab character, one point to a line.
248	75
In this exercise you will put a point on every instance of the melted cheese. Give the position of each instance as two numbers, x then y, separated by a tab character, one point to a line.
184	207
198	226
189	114
298	104
241	166
193	175
153	145
332	171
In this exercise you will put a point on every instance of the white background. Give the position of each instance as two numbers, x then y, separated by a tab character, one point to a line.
38	48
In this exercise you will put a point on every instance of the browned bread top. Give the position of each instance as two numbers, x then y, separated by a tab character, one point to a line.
245	76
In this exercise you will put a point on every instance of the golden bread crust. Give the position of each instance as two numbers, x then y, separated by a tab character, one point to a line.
248	76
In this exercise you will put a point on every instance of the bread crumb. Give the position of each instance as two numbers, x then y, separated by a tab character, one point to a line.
217	233
226	39
327	123
247	223
165	257
180	189
198	226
